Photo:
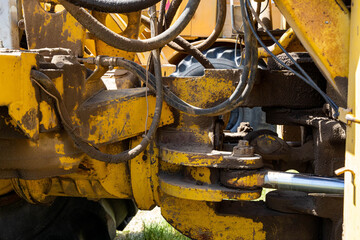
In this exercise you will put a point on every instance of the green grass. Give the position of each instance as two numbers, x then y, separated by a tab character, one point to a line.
154	231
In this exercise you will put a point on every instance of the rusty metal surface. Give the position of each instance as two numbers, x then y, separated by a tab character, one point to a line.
216	159
273	148
247	179
272	88
131	31
237	220
52	30
325	33
328	136
180	187
111	116
54	154
283	88
19	95
329	207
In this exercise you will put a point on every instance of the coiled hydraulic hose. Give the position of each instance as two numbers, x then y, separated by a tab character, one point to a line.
115	6
126	44
192	50
220	21
189	48
170	14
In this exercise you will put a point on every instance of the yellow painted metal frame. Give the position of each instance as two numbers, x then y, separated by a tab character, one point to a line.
200	220
285	40
323	27
127	113
352	164
18	93
141	179
178	187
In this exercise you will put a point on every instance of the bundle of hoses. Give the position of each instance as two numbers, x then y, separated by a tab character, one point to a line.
169	36
95	27
250	63
115	6
131	45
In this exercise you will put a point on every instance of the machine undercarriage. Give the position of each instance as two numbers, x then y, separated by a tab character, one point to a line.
95	126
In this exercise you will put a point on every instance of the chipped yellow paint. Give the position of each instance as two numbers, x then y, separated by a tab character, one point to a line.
5	186
179	187
272	138
118	24
59	84
352	157
94	179
154	170
285	40
10	122
140	171
202	91
18	93
34	191
59	148
252	180
42	25
114	178
48	116
190	158
125	120
200	174
199	220
324	32
68	163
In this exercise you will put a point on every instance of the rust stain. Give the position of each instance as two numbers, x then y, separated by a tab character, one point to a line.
29	120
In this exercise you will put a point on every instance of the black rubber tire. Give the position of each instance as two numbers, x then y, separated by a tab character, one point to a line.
65	218
224	58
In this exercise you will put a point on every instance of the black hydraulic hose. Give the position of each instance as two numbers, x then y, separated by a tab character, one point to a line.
131	45
220	22
305	77
179	104
114	6
239	95
242	90
189	48
45	83
250	39
161	16
193	51
170	14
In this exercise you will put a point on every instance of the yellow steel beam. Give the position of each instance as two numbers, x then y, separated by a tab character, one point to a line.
178	187
52	30
214	158
141	174
17	91
352	163
285	41
323	28
106	119
199	220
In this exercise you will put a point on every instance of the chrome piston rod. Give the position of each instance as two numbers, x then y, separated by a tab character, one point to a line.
304	183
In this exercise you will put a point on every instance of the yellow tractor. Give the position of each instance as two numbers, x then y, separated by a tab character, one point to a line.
109	106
